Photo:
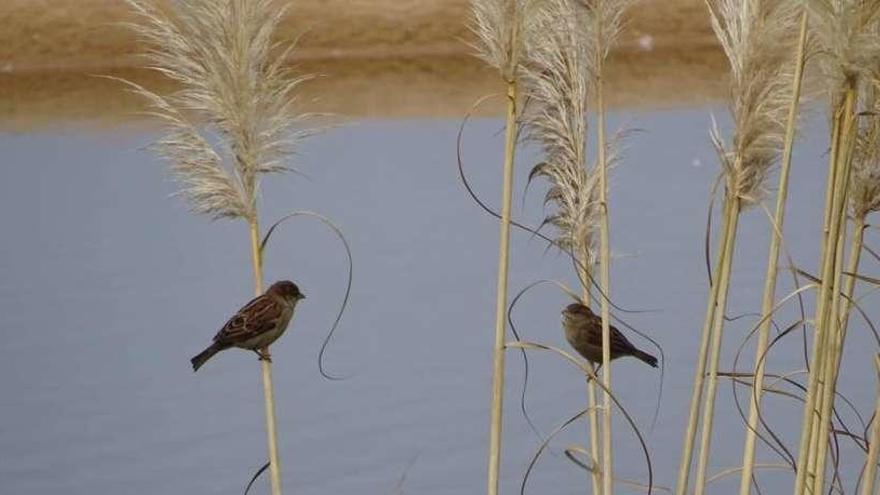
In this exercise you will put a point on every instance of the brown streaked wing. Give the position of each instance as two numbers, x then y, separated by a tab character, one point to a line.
619	343
256	317
595	320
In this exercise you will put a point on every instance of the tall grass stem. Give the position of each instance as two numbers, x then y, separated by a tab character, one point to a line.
726	254
501	291
755	36
840	317
686	460
592	402
592	417
874	449
266	369
605	272
770	277
839	168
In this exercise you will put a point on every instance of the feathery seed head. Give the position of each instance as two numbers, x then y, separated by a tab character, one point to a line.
498	27
865	178
568	40
846	31
757	37
556	75
232	78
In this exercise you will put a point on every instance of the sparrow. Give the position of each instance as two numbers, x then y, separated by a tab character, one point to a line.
256	325
583	330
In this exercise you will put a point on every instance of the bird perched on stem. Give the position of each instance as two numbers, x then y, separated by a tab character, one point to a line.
583	330
255	326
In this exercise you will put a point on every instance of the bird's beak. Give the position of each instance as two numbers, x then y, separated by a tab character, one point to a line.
302	296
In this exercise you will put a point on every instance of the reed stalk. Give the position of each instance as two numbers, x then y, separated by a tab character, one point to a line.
592	401
847	31
266	369
838	327
685	461
818	447
756	36
864	198
497	25
826	233
726	255
847	296
605	271
606	27
870	474
592	416
501	292
769	297
839	171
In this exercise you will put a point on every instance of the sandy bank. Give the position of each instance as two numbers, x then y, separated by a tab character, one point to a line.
380	57
77	34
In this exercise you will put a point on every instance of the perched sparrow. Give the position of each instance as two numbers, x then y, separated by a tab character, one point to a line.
583	330
256	325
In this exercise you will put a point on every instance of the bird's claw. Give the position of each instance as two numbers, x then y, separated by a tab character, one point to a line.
263	355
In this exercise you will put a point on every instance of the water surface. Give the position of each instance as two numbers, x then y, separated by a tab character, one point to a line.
108	286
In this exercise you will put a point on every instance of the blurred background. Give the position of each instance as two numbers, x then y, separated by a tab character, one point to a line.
108	285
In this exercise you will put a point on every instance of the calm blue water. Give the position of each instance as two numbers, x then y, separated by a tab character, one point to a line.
108	286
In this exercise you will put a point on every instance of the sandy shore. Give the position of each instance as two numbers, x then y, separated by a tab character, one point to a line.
41	35
379	57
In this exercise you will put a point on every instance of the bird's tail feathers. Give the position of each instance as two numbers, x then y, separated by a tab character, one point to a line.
205	355
647	358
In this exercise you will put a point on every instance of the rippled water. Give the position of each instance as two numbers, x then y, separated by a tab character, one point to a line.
108	287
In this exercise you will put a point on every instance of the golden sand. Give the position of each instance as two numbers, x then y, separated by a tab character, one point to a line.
377	57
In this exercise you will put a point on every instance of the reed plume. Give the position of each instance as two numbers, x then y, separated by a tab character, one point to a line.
560	76
235	86
558	81
849	44
234	80
757	38
865	181
500	28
